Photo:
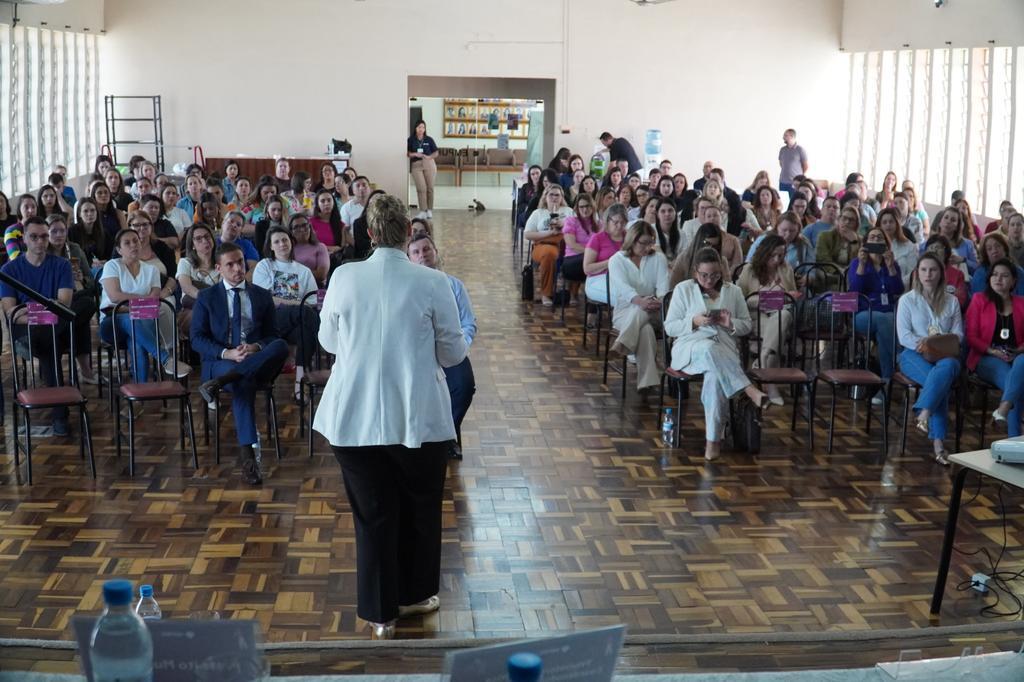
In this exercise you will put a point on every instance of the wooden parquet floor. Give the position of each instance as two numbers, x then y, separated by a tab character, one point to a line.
565	513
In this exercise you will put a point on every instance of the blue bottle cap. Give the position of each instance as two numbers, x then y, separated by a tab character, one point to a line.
524	666
145	590
117	592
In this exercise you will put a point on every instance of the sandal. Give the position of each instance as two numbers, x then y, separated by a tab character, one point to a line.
921	425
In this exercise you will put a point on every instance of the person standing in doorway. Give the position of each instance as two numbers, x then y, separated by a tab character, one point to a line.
792	161
388	416
422	150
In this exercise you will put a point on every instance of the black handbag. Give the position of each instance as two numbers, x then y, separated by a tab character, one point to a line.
528	282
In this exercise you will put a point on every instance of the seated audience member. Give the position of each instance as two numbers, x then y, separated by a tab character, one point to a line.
588	185
667	222
234	332
761	179
258	203
49	202
809	191
613	179
798	206
884	198
210	210
359	233
666	189
189	203
530	189
548	177
460	379
177	216
698	185
354	207
118	196
326	222
566	179
971	231
576	233
727	244
274	215
89	234
112	219
840	244
904	250
141	188
127	278
865	219
102	164
916	209
83	300
683	196
600	249
926	311
634	180
14	241
154	252
195	272
59	180
544	229
6	217
242	199
766	207
605	198
419	226
829	215
163	229
1006	210
230	182
909	222
994	247
560	161
956	283
951	225
328	180
798	249
705	317
308	250
1015	238
769	271
51	276
877	276
627	197
638	276
288	281
231	233
995	331
737	219
300	194
282	175
648	212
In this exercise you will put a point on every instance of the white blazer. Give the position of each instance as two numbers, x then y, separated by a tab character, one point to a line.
392	326
688	301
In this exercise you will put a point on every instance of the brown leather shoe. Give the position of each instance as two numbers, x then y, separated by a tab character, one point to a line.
249	466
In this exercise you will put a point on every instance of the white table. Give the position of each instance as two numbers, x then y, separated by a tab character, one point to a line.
979	461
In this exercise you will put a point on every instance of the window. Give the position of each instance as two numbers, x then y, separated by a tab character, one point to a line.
49	102
948	119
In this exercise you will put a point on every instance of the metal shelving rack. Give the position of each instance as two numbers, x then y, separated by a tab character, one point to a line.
113	141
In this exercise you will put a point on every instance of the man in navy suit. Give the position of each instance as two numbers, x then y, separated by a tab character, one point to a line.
233	330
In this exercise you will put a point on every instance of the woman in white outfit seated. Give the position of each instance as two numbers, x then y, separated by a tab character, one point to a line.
705	317
638	277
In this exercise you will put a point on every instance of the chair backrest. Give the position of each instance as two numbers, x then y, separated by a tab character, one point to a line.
775	302
666	339
821	277
518	157
32	315
145	311
500	157
840	308
311	304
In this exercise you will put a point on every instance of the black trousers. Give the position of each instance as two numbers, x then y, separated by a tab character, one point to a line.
299	329
395	493
49	374
572	269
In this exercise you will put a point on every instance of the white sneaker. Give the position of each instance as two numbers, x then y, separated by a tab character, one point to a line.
878	399
430	215
422	215
631	358
183	369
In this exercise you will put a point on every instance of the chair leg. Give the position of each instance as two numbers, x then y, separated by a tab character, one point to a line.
17	439
597	331
795	394
181	421
87	431
885	422
191	431
831	420
206	423
273	422
302	410
117	425
625	371
216	431
312	410
906	417
131	439
28	443
984	411
607	343
679	413
958	425
812	389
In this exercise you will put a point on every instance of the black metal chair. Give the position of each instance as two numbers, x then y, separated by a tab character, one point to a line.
30	395
612	333
147	311
313	379
794	377
844	373
675	381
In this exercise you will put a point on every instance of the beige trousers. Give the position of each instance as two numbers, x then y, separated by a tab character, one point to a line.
423	173
637	334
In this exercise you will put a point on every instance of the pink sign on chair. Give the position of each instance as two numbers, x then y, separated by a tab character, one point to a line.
37	314
771	301
845	302
144	308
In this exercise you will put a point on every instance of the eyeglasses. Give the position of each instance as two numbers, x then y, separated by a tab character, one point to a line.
300	226
137	223
201	238
645	242
709	276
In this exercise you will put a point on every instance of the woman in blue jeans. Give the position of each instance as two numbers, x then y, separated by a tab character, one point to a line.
124	279
875	273
995	336
928	310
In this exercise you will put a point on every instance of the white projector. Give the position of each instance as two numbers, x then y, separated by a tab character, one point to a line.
1009	450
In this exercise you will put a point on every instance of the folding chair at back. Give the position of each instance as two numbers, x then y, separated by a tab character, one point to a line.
313	378
36	342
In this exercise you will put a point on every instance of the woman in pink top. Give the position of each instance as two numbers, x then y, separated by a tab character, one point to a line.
308	249
601	247
579	228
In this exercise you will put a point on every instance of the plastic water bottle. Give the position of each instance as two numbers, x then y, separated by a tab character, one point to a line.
668	429
121	649
147	608
524	667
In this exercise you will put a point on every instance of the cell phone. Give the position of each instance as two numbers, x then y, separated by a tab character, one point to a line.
715	316
875	247
553	216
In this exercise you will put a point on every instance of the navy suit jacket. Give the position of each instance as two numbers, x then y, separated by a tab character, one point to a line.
211	325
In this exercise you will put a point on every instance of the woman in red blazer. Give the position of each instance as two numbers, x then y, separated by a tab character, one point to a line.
995	338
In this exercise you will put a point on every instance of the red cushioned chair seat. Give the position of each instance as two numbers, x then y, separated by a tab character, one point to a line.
852	377
154	390
49	396
317	377
780	375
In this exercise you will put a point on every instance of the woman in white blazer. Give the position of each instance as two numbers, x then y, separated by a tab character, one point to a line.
387	414
705	317
638	277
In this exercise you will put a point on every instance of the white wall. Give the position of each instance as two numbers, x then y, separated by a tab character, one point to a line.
720	80
891	24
